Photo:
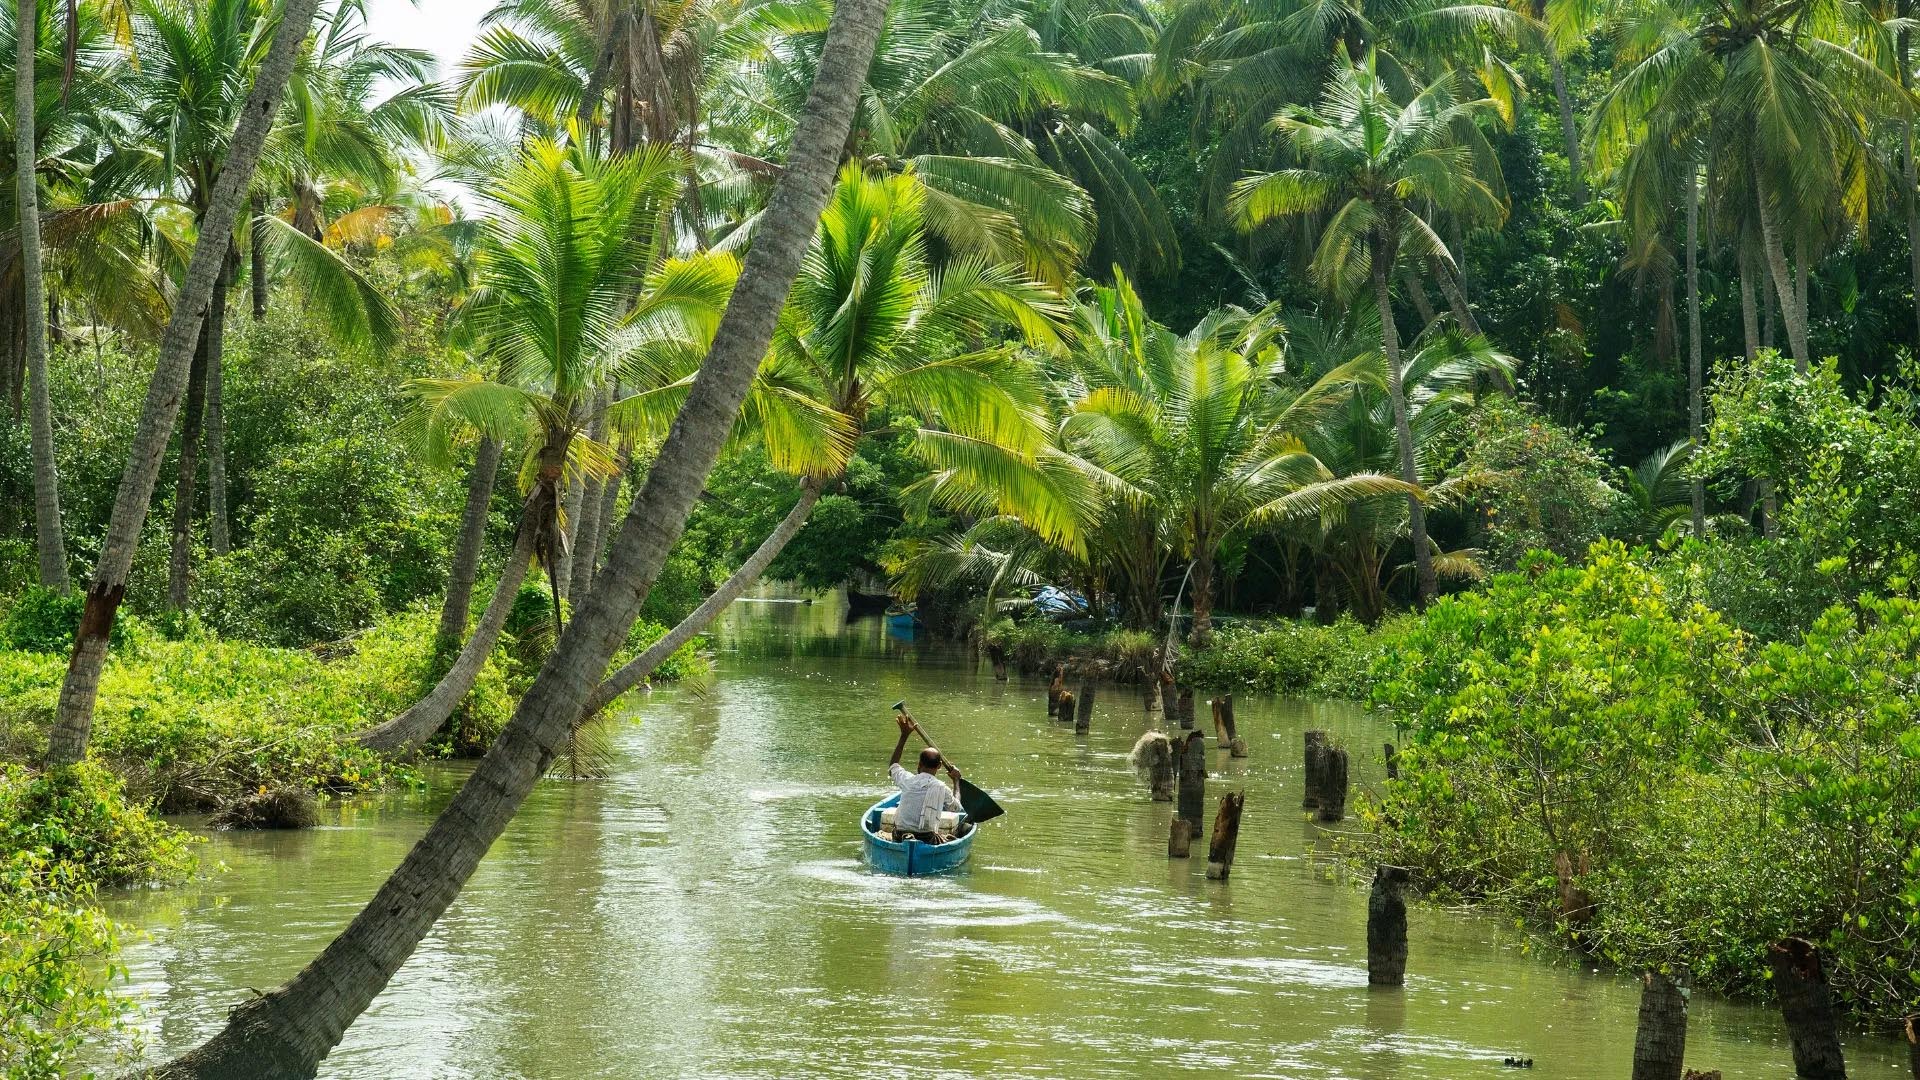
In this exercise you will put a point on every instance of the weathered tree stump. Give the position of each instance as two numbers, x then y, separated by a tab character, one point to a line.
1913	1044
1226	834
1179	838
1064	707
1333	784
1229	730
1310	784
1153	759
1694	1075
1169	699
1083	716
1193	780
1056	687
997	655
1219	721
1801	982
1393	762
1185	703
1387	926
1660	1044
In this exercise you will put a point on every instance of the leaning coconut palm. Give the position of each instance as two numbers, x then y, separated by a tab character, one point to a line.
288	1031
1202	430
73	720
876	335
1370	168
565	250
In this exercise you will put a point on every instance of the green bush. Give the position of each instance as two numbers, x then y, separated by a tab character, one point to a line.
79	817
1709	796
1284	657
44	620
57	968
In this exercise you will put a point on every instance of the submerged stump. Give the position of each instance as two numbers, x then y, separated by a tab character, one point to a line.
1801	982
1226	835
1316	744
1083	713
1913	1044
1179	838
1185	704
1056	687
1153	760
274	808
1193	780
1333	784
1065	707
1660	1043
1387	926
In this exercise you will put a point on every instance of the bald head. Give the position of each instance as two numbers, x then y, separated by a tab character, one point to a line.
930	760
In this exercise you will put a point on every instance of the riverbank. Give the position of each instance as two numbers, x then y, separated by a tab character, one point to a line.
1064	948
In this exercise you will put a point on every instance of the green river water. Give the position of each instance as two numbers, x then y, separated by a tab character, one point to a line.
705	913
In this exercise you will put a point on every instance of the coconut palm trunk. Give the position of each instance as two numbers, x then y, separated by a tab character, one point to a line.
257	258
1450	285
1202	587
633	671
49	532
1697	485
73	720
1779	271
288	1031
586	530
1428	585
187	476
412	728
466	550
1749	308
218	536
1569	130
1417	292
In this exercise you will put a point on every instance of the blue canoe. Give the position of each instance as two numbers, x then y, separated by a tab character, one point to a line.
910	858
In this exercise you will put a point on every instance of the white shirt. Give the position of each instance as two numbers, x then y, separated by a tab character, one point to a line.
922	798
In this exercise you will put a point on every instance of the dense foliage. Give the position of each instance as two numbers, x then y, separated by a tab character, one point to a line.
1709	795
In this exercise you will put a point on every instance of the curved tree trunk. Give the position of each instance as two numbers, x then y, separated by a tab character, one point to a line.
1697	486
49	533
1781	273
288	1031
73	722
466	551
629	674
216	417
1428	585
187	475
1456	296
416	725
1416	292
586	534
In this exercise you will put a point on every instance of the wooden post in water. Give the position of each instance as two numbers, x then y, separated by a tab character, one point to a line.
1387	926
1193	780
1226	834
1056	687
1186	707
1316	743
1169	699
1236	746
1333	784
997	655
1913	1044
1083	716
1179	838
1393	762
1802	985
1064	706
1219	721
1660	1045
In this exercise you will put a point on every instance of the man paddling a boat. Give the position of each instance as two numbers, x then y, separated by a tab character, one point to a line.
922	796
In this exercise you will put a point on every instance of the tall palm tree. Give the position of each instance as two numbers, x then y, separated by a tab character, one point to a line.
565	252
1203	431
288	1031
1007	129
50	539
73	718
1774	94
878	336
1369	168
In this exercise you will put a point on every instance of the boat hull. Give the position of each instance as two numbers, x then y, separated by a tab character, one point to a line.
910	858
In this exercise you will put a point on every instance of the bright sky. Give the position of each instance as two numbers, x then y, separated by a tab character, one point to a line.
442	27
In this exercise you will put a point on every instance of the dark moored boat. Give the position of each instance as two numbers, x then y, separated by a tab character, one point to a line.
866	603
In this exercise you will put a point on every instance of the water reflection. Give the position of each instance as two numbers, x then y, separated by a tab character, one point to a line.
705	913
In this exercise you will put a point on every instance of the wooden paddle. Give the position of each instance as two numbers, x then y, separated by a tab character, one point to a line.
978	804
